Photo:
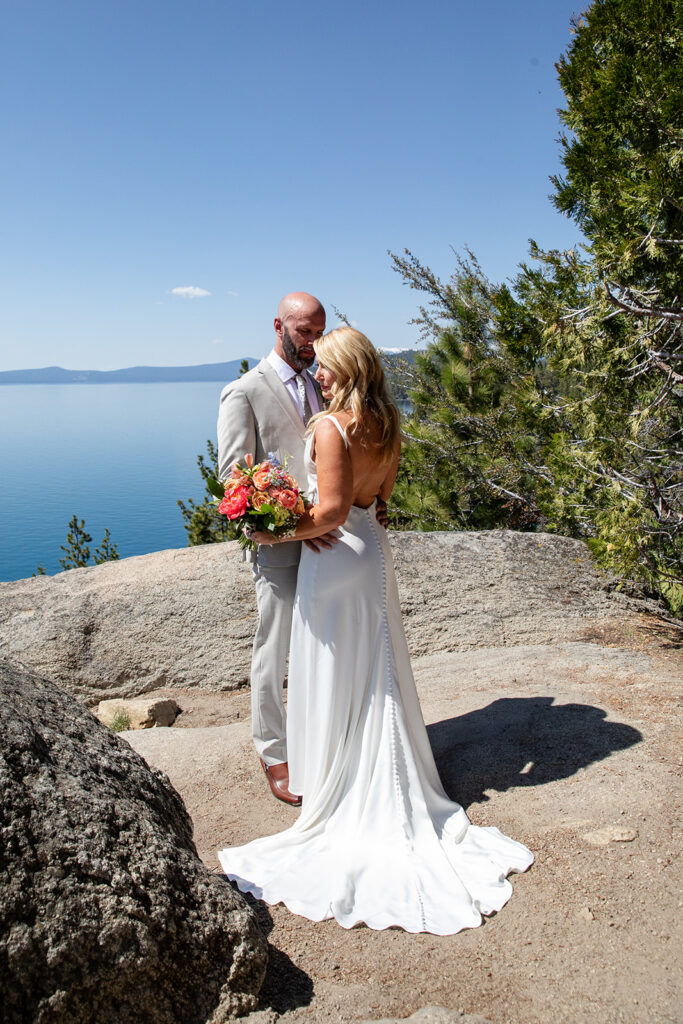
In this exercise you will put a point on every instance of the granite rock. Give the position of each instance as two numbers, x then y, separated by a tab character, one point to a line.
143	713
186	617
107	916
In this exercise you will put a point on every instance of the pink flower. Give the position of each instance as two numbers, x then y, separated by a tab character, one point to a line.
286	498
235	503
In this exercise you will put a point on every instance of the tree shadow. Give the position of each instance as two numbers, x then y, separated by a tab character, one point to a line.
522	741
285	986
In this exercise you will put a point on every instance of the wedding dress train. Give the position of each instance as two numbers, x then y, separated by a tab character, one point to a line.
377	841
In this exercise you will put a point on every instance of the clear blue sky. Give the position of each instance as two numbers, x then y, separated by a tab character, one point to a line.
249	149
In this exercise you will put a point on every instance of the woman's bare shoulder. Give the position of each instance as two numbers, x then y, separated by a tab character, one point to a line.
325	428
343	417
328	436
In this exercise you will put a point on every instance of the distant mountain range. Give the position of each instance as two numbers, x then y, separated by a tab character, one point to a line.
152	374
130	375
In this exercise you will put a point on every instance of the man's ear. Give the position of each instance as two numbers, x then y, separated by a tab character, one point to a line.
277	324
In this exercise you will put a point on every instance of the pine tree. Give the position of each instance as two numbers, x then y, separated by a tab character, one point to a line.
202	523
587	427
107	552
622	77
622	339
76	548
473	457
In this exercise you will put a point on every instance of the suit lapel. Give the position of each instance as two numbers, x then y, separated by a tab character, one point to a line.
279	392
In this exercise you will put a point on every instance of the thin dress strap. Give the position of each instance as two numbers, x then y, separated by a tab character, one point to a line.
339	428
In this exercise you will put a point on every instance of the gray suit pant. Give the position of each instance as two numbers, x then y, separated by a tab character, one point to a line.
275	590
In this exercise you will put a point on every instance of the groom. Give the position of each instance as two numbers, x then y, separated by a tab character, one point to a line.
266	410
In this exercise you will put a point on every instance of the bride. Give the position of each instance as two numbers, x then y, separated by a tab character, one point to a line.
377	841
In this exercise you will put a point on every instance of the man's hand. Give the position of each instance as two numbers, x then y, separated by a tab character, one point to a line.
326	540
262	537
317	544
382	517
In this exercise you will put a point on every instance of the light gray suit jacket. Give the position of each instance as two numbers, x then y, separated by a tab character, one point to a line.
257	415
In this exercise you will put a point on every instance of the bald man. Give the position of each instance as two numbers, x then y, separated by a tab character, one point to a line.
266	410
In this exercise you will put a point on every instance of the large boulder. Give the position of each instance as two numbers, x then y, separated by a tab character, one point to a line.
186	617
107	916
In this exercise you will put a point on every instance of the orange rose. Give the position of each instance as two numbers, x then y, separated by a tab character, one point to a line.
261	477
259	498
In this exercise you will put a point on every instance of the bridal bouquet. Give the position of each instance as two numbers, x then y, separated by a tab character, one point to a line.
262	497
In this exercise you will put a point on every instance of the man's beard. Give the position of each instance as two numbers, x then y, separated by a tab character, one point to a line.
293	357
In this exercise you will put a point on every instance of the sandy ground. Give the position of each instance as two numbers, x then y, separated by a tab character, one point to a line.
572	748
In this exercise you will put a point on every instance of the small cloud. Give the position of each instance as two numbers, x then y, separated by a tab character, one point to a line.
190	292
234	293
393	351
218	341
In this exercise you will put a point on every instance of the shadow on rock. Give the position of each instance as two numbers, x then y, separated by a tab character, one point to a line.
522	741
285	986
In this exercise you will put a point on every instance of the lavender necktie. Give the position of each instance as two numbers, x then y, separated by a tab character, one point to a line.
303	395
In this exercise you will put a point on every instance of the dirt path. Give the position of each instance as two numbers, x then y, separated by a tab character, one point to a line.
561	746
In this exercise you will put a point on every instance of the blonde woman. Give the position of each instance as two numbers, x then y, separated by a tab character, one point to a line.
378	841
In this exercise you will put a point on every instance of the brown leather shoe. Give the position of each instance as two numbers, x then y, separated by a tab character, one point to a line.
278	780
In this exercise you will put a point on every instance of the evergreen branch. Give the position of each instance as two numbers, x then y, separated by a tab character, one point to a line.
634	309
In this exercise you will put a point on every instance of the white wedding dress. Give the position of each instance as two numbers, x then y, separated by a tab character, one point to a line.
377	841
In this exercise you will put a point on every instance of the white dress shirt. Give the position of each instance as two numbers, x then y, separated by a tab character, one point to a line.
288	377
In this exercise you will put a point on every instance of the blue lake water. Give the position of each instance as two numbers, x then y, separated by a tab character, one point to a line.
116	455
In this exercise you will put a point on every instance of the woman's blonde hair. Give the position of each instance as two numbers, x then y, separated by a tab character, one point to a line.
360	385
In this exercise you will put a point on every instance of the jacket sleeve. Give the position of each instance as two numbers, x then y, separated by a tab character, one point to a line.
236	430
